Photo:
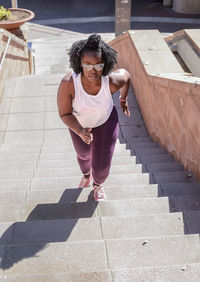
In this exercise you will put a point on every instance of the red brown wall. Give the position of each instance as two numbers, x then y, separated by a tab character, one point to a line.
170	105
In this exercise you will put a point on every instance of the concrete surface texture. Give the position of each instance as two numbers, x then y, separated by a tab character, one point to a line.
148	228
187	44
169	102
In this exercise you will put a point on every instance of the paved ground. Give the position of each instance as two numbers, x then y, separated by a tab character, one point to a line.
77	15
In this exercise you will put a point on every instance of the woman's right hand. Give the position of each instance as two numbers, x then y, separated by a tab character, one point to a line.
86	135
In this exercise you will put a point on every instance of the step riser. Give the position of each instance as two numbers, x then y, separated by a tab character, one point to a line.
76	171
90	229
180	273
55	173
47	149
156	158
48	156
33	197
65	163
60	164
125	254
96	276
160	252
72	182
84	209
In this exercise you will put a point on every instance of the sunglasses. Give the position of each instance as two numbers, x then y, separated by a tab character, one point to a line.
97	67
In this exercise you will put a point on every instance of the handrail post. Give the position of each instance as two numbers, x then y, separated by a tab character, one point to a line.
5	51
14	4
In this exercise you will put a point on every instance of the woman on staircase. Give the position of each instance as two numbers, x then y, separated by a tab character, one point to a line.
85	105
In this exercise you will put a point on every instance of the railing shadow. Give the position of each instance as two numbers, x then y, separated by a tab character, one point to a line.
180	186
47	223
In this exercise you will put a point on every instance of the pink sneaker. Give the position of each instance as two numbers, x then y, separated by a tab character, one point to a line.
85	182
99	193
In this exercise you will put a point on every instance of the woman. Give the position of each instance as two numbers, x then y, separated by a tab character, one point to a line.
85	105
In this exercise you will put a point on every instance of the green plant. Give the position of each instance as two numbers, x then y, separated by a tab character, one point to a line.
5	14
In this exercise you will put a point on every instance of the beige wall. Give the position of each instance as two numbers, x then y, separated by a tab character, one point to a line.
170	103
187	6
16	62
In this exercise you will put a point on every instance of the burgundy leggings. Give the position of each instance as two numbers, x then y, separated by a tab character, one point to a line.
97	156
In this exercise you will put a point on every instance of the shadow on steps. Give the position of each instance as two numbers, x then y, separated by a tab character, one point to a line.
180	186
38	229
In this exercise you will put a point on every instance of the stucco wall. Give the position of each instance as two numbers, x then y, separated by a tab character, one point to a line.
16	62
187	6
170	103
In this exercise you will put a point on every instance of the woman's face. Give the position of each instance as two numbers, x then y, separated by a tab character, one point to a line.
92	58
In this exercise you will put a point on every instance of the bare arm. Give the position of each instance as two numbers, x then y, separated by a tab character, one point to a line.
120	79
64	102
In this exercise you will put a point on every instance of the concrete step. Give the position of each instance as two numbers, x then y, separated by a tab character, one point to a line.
94	276
122	160
15	165
136	140
16	173
143	145
150	151
122	227
34	197
89	209
180	273
150	225
173	177
86	209
63	172
185	203
48	146
163	167
179	189
72	155
75	171
15	184
120	254
12	149
54	257
12	195
50	156
156	158
156	252
72	182
19	157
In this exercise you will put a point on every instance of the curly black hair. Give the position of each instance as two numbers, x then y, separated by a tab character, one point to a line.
93	43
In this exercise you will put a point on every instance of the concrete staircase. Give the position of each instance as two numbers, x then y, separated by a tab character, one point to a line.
148	230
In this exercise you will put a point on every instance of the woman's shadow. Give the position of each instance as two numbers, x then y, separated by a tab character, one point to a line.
47	223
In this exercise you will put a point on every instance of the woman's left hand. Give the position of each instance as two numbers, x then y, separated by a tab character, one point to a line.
125	108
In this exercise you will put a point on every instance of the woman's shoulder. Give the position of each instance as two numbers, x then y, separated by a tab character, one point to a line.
66	84
118	75
68	78
117	79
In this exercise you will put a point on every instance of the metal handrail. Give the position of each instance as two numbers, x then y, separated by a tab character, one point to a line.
5	51
30	50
